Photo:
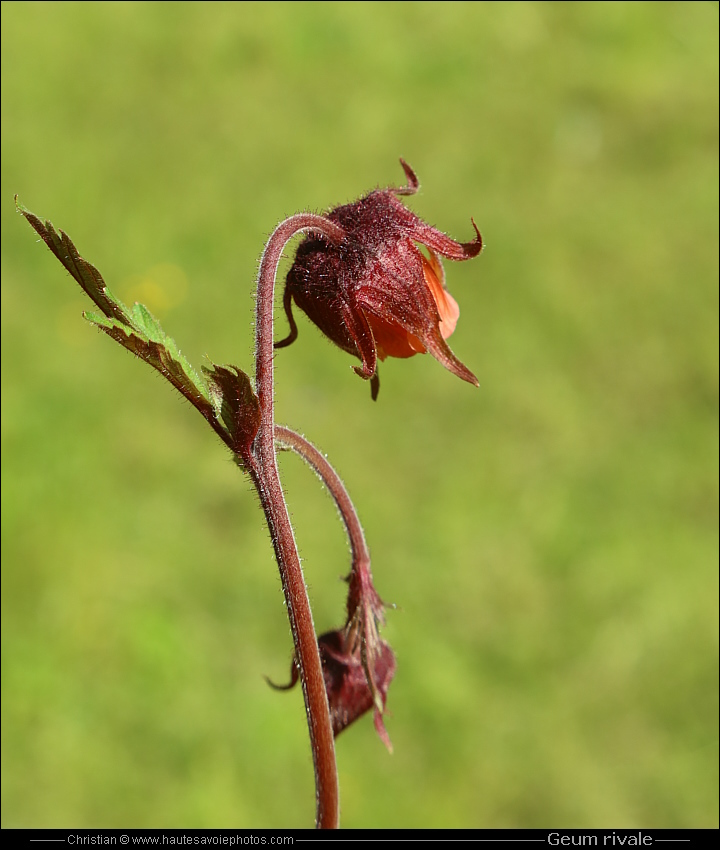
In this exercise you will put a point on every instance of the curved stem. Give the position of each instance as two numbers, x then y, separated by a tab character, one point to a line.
364	606
327	474
264	472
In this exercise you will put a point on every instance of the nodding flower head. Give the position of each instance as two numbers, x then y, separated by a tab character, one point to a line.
358	666
376	294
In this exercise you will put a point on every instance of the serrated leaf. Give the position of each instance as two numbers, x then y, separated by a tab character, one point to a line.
147	328
146	323
175	369
84	273
136	329
237	404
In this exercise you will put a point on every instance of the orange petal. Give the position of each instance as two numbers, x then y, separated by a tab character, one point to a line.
393	341
447	306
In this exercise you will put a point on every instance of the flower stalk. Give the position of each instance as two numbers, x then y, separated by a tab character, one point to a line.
264	473
316	460
358	666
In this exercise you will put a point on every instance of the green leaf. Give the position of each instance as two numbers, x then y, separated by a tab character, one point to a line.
228	403
163	355
84	273
239	407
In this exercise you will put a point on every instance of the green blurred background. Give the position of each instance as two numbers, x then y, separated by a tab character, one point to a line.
550	540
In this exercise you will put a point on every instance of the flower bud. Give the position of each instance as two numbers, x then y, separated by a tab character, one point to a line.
376	294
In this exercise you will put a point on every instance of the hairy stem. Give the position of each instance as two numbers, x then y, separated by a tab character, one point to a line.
364	606
264	472
327	474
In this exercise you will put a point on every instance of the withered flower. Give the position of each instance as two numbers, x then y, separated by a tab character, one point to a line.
376	294
358	666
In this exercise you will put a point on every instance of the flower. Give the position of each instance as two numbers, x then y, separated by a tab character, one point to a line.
358	666
376	294
349	694
346	683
